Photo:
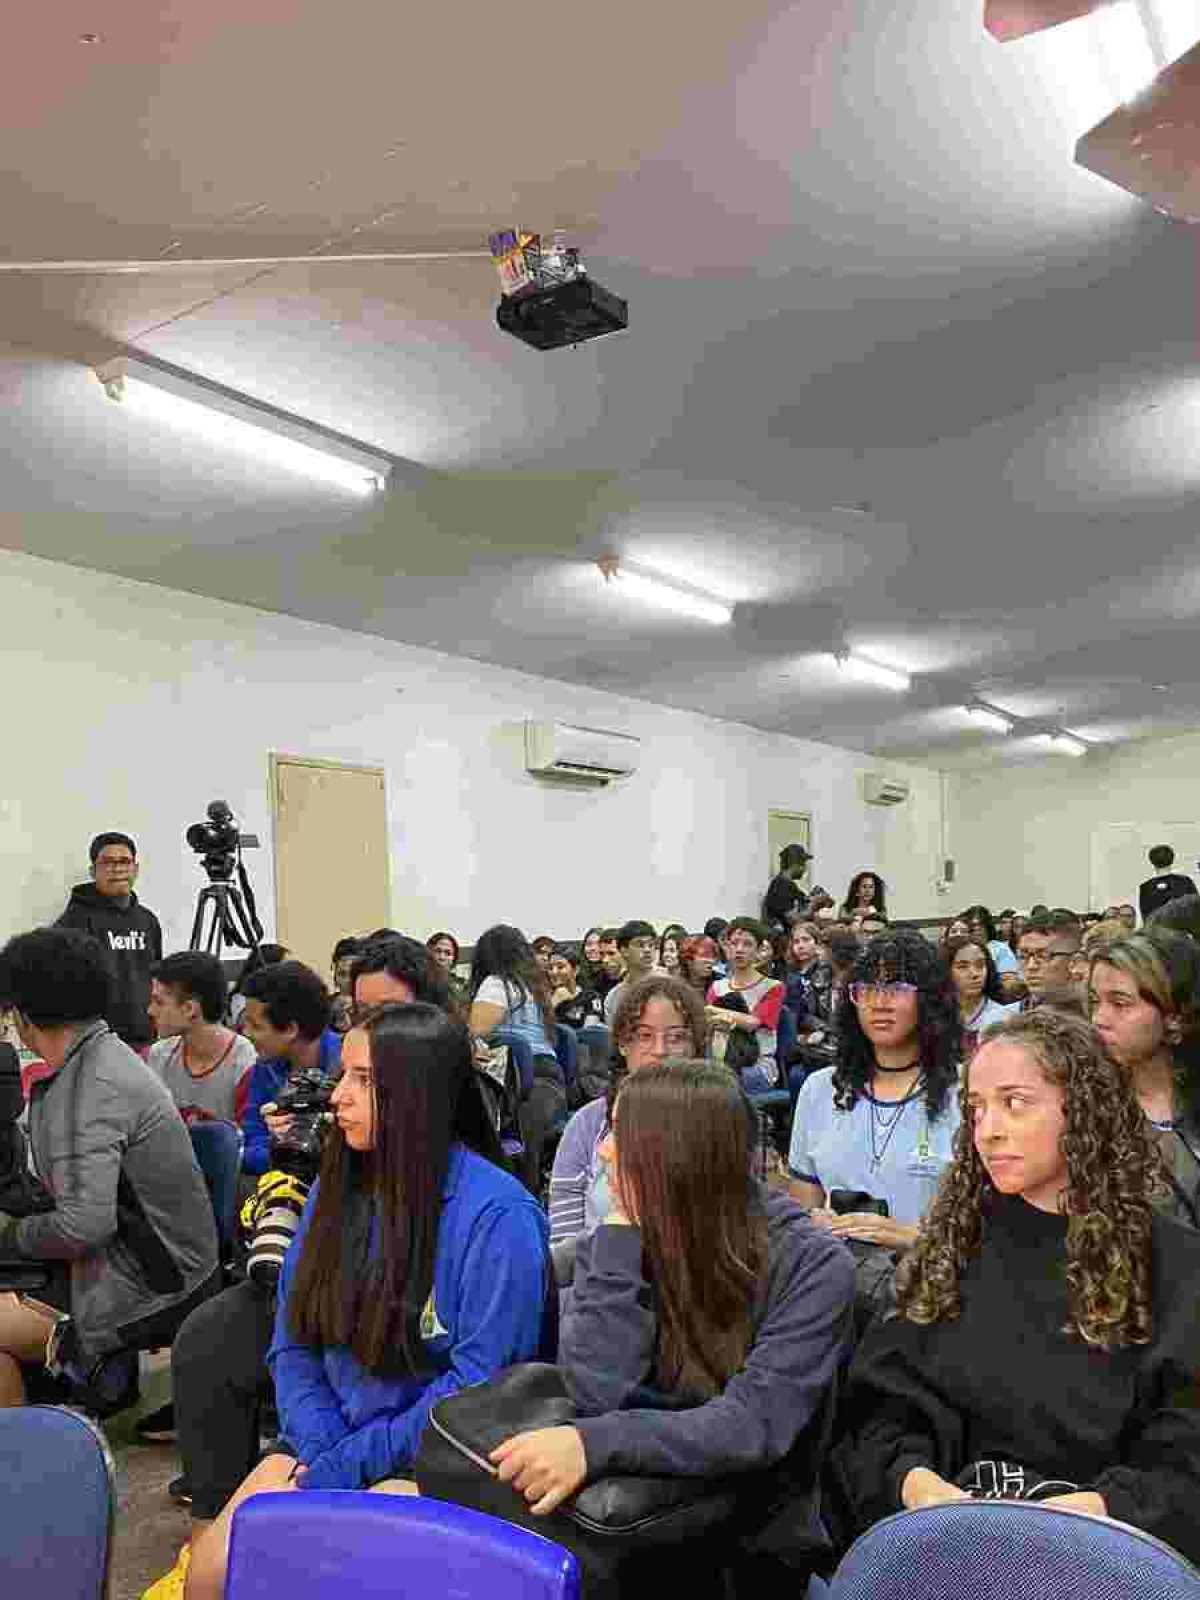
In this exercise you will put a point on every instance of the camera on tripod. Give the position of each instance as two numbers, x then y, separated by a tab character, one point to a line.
272	1214
219	840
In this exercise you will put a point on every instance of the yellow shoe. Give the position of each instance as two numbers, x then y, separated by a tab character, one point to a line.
170	1585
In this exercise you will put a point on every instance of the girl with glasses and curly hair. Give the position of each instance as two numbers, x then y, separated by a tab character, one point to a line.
880	1123
1049	1317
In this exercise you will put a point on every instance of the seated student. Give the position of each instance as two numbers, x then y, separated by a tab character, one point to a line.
763	997
287	1020
131	1239
705	1286
882	1121
982	925
509	989
659	1017
1142	999
445	950
670	947
265	956
611	964
342	964
638	945
867	892
1049	1320
420	1268
975	983
697	960
205	1065
218	1360
573	1005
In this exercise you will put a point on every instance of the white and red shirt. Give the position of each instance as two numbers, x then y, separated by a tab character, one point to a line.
764	1000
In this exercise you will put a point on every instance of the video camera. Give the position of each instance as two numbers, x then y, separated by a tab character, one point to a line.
219	841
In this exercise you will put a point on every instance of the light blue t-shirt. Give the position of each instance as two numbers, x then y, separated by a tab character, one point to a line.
900	1160
1003	957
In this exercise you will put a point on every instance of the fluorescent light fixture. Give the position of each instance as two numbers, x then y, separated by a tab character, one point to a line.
233	423
1069	744
866	671
658	592
989	717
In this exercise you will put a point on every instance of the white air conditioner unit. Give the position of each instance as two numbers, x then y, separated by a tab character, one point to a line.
557	750
880	790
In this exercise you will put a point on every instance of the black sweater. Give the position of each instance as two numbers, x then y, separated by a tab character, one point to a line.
133	939
1002	1381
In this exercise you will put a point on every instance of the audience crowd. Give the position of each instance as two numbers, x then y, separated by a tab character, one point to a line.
865	1215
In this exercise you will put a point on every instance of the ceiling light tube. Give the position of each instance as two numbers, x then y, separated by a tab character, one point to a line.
234	423
1069	744
989	717
867	671
658	592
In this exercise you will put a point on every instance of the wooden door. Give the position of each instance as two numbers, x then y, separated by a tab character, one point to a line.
331	855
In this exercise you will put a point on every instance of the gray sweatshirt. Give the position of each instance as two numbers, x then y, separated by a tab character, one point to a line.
132	1212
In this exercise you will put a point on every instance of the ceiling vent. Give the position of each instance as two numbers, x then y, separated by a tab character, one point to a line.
880	790
558	750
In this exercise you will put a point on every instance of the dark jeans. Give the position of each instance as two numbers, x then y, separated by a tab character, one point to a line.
218	1375
540	1111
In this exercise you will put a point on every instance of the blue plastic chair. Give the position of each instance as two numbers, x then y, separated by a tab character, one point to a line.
522	1056
56	1505
566	1048
218	1148
1005	1550
324	1545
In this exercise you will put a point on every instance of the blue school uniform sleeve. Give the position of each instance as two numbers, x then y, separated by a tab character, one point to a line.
265	1080
311	1419
502	1296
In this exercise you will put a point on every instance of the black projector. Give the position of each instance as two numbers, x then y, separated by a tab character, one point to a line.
567	313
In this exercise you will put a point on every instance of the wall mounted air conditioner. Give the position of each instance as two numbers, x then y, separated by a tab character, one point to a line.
880	790
557	750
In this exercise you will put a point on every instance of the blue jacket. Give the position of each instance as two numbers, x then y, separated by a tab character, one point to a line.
266	1080
351	1429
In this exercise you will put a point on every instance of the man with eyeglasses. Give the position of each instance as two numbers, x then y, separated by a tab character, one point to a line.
107	908
1047	953
638	945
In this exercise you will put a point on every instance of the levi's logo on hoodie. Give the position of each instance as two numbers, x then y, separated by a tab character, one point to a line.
126	941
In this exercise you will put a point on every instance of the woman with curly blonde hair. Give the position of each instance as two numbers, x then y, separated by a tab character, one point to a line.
1048	1331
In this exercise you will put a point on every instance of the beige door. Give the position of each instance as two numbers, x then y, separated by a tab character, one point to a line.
331	855
787	827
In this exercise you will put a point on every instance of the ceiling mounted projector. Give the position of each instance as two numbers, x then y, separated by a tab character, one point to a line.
548	300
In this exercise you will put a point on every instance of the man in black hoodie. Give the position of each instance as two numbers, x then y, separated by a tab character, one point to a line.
108	909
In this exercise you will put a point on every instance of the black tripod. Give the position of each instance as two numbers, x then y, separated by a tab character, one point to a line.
221	918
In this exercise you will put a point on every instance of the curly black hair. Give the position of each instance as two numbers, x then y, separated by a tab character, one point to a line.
1114	1172
901	956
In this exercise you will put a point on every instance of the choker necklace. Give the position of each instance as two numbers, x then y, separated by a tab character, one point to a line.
911	1067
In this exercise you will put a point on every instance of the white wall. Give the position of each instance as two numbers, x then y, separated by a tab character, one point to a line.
131	706
1042	832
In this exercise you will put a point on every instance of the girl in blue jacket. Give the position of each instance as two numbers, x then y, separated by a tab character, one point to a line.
419	1267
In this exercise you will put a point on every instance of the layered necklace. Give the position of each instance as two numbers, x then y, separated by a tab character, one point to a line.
883	1124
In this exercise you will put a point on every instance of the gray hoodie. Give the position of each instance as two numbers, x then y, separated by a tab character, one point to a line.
132	1212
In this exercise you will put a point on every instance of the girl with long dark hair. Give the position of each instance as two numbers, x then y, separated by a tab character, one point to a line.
975	984
982	925
419	1267
510	989
701	1285
881	1121
1049	1319
867	892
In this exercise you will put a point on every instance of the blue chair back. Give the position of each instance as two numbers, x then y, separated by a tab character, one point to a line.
56	1505
566	1048
326	1545
1005	1550
596	1036
218	1147
522	1056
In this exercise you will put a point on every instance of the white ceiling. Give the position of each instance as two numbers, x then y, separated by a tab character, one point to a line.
862	270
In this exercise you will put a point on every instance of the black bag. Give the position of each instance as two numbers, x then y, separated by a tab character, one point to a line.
874	1264
741	1048
610	1525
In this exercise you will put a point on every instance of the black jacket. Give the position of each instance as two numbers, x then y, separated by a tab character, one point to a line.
133	939
1160	891
784	901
